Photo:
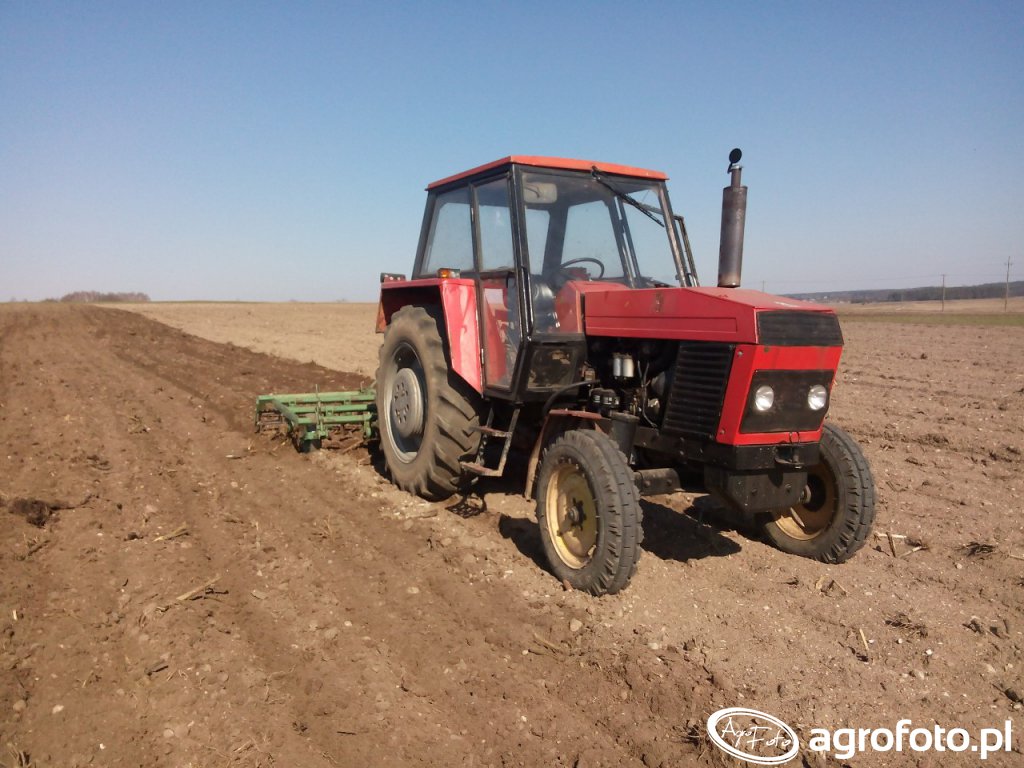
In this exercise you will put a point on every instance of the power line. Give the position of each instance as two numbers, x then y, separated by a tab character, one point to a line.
1006	296
939	279
887	279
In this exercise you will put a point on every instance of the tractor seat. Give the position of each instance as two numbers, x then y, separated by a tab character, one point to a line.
545	317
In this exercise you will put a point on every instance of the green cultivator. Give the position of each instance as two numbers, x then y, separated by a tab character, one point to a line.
315	419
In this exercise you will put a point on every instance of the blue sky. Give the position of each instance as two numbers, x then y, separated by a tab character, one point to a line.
271	151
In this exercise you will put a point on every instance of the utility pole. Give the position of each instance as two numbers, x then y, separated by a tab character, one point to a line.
1006	295
762	286
943	291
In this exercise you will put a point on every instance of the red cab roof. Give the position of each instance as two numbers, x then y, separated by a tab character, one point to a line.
554	162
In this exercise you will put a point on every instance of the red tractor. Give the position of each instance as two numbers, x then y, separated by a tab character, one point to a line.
554	308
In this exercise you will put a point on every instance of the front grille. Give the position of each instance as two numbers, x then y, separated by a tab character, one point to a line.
698	388
799	329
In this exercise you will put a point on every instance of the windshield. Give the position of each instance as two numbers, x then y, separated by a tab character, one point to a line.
597	227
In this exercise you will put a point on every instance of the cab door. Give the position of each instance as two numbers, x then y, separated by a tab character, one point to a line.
501	311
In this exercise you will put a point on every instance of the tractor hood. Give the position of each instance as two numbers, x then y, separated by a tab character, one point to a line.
729	315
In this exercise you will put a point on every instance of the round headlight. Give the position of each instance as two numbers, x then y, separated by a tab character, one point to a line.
817	397
764	397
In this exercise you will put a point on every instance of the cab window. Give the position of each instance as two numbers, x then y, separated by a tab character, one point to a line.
450	242
495	226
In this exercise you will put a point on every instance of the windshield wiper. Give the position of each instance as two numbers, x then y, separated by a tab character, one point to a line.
644	209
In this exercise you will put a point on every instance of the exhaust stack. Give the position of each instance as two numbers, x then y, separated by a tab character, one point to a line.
734	216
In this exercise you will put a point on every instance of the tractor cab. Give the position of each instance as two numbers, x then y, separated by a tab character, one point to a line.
535	235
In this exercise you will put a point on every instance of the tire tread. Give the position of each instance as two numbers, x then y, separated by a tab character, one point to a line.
451	440
851	524
618	504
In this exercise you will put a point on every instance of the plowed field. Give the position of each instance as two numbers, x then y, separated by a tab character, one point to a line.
178	591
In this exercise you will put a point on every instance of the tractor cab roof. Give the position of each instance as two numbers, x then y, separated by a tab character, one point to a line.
559	163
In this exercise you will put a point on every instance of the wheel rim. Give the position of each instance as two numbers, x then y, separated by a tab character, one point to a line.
571	515
812	516
404	407
407	404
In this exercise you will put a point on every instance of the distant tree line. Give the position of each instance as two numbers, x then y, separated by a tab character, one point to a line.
89	297
929	293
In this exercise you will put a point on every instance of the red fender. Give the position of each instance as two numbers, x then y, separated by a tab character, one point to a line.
554	421
457	299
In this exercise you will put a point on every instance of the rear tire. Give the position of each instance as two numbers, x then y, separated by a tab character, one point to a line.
426	413
589	512
833	520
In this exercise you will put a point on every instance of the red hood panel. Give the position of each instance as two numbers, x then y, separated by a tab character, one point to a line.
699	314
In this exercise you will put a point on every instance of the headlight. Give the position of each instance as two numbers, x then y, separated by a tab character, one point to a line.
783	400
764	398
817	397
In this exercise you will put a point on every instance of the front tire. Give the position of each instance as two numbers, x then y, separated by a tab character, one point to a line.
834	517
589	513
427	414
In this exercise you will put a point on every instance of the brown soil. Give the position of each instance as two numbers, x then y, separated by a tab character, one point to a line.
338	336
200	595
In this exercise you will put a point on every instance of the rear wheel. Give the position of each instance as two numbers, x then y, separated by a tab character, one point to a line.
589	512
426	413
835	513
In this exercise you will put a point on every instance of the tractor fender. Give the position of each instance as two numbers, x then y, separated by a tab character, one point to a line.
457	301
556	421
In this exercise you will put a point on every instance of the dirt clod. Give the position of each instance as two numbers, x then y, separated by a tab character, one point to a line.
35	511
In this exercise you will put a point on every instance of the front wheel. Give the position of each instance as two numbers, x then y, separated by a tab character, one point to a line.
834	516
589	513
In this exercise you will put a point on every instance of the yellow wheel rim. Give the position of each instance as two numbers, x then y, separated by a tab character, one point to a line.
571	515
812	516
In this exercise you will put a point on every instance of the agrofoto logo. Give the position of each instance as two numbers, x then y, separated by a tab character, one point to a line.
754	736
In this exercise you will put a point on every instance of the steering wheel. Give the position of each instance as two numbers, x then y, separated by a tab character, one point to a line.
580	260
